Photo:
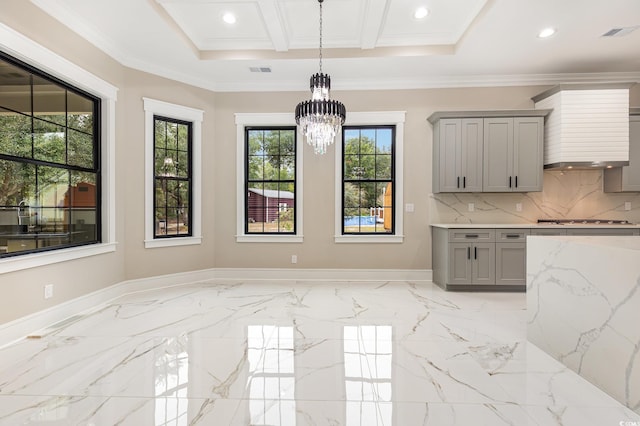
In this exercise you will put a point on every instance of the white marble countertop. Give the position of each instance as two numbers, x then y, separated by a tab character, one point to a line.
525	225
622	242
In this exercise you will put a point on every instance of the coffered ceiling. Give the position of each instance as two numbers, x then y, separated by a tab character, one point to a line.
367	44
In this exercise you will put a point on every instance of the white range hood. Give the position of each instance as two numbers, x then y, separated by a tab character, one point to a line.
588	127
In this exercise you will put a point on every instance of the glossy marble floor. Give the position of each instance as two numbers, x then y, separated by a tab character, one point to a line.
297	353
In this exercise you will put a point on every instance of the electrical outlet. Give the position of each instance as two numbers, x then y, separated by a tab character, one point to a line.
471	207
408	208
48	291
294	258
518	207
627	205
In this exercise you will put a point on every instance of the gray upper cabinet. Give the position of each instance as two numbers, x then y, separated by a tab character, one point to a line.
458	155
627	178
488	151
513	154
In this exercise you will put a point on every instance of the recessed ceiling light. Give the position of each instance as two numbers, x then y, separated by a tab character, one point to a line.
229	18
547	32
421	13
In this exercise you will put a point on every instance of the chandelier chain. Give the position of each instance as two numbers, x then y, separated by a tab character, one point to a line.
320	37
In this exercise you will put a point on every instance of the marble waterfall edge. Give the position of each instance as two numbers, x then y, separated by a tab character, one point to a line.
583	304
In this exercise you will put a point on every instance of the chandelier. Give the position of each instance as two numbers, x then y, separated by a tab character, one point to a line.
320	117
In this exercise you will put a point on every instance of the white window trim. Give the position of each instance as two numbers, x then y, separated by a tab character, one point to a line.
154	107
377	118
30	52
265	119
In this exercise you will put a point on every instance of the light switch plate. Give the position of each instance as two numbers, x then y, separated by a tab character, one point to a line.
408	207
627	205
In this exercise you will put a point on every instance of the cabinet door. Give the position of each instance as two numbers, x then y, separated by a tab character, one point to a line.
527	153
459	263
483	265
498	155
450	145
472	152
631	173
511	260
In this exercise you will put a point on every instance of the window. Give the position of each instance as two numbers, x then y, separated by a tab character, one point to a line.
271	180
368	179
369	184
172	177
50	188
173	135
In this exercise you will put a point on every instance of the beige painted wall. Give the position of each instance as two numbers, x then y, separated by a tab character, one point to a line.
319	249
22	292
141	262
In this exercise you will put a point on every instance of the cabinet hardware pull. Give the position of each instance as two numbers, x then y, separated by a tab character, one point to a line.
513	236
471	236
509	181
475	253
516	181
464	181
458	182
468	252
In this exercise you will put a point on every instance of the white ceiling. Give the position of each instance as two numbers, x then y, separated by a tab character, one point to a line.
367	44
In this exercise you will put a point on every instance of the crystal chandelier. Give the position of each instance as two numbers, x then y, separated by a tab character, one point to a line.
320	117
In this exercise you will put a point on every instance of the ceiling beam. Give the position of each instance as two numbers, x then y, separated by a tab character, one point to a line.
273	24
374	17
333	53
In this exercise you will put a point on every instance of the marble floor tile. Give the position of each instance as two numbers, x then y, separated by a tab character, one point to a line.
296	353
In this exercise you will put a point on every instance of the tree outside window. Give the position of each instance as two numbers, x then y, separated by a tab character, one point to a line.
270	184
368	180
172	176
49	162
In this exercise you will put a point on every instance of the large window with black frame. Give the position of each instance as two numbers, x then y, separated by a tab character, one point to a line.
368	180
49	162
172	177
270	182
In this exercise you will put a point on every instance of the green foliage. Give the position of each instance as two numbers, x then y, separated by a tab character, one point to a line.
365	159
48	142
271	155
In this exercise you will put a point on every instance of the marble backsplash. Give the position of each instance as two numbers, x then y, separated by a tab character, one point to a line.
573	194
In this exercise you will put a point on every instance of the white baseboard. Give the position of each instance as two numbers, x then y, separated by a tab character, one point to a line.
324	274
21	327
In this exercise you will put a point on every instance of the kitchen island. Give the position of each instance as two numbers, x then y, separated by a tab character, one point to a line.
583	305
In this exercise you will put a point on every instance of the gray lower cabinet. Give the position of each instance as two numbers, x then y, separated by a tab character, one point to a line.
511	256
471	263
511	261
464	257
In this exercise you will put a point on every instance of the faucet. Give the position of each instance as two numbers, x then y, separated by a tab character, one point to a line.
23	212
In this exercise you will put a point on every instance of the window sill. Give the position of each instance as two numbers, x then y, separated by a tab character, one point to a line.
269	238
18	263
386	239
172	242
